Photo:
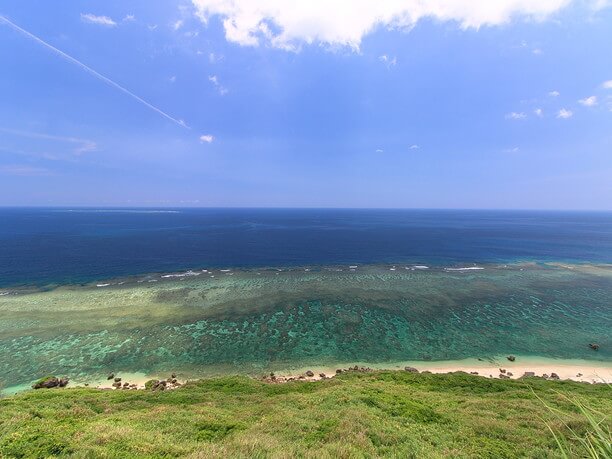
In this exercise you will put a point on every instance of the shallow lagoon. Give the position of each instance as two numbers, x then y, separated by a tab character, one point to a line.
252	321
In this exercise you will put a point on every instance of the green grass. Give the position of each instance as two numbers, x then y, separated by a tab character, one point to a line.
395	414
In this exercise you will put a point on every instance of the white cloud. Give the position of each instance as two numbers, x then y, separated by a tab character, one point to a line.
388	61
100	20
23	170
537	51
129	18
607	84
539	112
172	79
414	147
177	24
512	150
289	24
516	116
152	27
379	151
554	93
588	101
564	114
207	138
218	86
80	145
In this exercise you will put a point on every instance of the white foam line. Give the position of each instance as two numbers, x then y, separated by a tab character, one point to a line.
91	71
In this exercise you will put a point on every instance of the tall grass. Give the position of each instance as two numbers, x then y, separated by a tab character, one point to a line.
596	440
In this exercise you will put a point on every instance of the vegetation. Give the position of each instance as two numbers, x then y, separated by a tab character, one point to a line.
353	415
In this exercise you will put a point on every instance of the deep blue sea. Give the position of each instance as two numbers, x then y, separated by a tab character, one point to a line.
56	246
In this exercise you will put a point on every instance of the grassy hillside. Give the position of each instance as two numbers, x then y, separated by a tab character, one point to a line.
353	415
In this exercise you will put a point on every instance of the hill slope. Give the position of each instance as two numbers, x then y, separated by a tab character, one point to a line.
352	415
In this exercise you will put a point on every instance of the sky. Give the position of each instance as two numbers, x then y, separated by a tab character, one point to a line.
502	104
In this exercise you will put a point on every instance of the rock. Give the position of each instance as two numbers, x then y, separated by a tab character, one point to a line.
554	376
322	375
173	375
126	384
511	358
47	382
338	371
63	382
110	376
528	374
174	381
502	370
355	368
310	374
117	385
509	374
545	376
411	370
426	372
473	372
503	376
578	375
169	380
117	379
594	346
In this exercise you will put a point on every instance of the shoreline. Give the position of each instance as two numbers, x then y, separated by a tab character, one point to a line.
578	370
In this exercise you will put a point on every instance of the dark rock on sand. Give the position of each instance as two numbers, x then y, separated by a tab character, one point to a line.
473	372
528	374
338	371
63	382
554	376
411	370
117	379
594	346
511	358
322	375
47	382
110	376
502	370
310	374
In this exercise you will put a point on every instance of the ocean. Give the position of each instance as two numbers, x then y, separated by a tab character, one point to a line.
84	292
61	246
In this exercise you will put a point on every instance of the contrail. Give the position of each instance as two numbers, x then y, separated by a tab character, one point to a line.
91	71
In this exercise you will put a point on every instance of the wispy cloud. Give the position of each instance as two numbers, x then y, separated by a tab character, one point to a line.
21	170
565	114
539	112
91	71
388	61
80	145
177	24
512	150
607	84
588	101
516	116
100	20
207	138
129	18
414	147
379	151
554	93
218	86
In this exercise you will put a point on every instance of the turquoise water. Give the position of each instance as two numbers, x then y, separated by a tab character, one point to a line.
254	321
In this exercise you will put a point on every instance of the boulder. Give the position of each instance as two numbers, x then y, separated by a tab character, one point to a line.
511	358
338	371
528	374
117	385
322	375
117	379
509	374
411	370
110	376
554	376
473	372
47	382
502	370
594	346
310	374
63	382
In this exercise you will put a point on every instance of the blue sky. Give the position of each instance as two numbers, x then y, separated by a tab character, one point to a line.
440	104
